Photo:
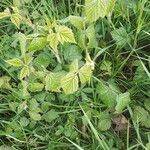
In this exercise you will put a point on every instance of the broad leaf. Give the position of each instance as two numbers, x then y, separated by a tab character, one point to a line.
77	21
21	107
104	121
53	41
98	8
120	36
16	62
123	101
72	52
35	116
85	73
74	66
37	43
43	60
24	121
81	37
35	87
4	82
28	58
90	33
53	81
107	93
147	104
65	34
50	115
4	14
16	20
22	40
24	72
69	83
140	115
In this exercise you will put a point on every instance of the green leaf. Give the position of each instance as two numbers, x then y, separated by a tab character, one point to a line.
77	21
37	43
24	121
107	94
106	66
85	73
16	62
98	8
69	83
28	58
22	40
13	106
43	60
33	105
50	115
4	147
16	19
21	107
53	41
72	52
104	121
147	104
81	37
4	82
64	34
74	66
120	36
123	101
53	81
35	87
90	33
24	72
4	15
35	116
140	115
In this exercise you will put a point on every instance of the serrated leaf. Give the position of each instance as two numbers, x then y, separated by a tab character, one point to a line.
77	21
53	81
81	37
91	35
98	8
53	41
24	121
69	83
4	15
37	43
104	121
51	115
65	34
107	93
16	20
16	62
28	58
140	115
74	66
43	59
85	73
21	107
147	104
106	66
120	36
35	116
4	82
24	72
4	147
22	41
72	52
35	87
123	101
